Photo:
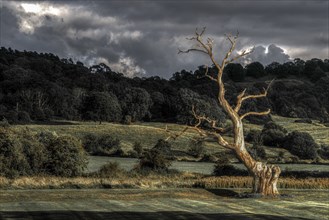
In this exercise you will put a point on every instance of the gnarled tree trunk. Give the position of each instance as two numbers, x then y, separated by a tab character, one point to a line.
265	177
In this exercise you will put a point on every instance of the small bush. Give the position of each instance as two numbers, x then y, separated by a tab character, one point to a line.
101	144
23	117
127	120
164	147
253	136
34	151
21	153
154	160
158	158
4	123
13	161
272	125
301	144
196	149
257	152
273	134
223	159
273	137
66	156
208	158
12	116
110	170
138	148
132	154
324	152
280	157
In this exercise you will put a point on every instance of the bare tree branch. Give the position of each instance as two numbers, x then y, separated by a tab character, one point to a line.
255	113
209	76
231	49
192	49
215	133
244	53
212	122
202	32
239	101
173	135
242	98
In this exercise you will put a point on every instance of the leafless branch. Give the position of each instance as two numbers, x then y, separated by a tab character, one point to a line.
202	32
241	96
205	133
209	76
231	49
244	53
239	101
173	135
192	49
255	113
212	122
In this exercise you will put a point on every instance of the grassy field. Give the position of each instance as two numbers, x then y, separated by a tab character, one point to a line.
319	132
146	133
165	204
149	133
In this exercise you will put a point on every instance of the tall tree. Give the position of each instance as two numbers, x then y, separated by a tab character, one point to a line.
255	69
265	176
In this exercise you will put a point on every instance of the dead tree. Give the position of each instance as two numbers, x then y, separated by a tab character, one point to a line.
265	176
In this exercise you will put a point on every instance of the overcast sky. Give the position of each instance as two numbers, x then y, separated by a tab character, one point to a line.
142	37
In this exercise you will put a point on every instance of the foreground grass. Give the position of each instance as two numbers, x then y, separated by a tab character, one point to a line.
183	203
155	181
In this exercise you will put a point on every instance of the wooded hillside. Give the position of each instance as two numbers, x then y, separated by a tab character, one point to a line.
41	86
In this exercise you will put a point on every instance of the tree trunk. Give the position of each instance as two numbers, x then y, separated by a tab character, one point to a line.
265	176
266	179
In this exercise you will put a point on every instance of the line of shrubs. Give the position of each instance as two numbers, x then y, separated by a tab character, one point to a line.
297	143
158	160
25	154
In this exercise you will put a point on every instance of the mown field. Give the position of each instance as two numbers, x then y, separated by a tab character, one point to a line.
161	204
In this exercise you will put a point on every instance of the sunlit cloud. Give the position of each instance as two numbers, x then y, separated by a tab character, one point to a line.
128	66
34	15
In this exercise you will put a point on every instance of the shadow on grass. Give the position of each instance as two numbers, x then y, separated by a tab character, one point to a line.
55	123
223	192
243	195
72	215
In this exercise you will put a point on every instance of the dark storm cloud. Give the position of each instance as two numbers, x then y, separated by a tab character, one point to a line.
143	36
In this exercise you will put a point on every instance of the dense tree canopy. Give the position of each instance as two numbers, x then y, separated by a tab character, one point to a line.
41	86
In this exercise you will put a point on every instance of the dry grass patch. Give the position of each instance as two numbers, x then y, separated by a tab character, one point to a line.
154	181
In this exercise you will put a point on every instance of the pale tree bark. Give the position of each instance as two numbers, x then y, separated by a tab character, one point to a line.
265	176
